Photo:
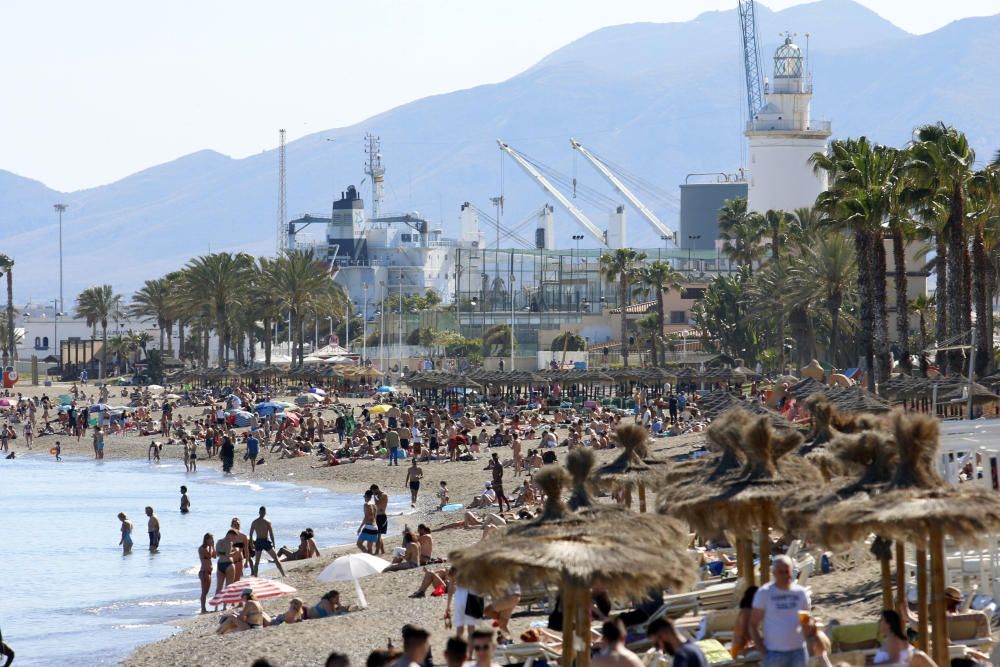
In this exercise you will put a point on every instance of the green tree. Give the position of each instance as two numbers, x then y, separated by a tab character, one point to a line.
923	308
742	232
569	341
622	267
941	161
660	278
154	301
96	305
218	283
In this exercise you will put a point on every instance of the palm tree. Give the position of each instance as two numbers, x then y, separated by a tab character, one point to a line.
155	301
860	198
218	281
742	232
622	266
941	161
984	195
779	226
923	307
10	347
825	271
97	305
303	285
265	304
660	277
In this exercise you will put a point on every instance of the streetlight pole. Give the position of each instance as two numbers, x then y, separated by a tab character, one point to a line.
691	239
381	326
60	209
401	323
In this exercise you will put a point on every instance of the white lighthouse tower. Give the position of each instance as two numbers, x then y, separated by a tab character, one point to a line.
783	138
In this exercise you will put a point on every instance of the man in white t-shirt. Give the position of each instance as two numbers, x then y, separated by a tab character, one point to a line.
774	624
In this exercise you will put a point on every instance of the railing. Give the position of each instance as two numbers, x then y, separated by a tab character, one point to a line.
787	124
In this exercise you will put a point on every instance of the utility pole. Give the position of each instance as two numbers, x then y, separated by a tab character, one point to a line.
60	209
364	325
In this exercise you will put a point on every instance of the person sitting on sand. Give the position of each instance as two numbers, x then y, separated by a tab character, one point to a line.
484	500
426	542
328	605
410	557
251	616
437	578
295	613
307	548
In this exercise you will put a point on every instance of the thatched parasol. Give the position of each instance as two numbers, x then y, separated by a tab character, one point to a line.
629	471
575	552
751	498
917	506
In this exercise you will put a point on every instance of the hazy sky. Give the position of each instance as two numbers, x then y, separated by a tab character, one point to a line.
94	91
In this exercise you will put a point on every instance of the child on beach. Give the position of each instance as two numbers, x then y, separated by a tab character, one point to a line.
185	501
442	495
58	449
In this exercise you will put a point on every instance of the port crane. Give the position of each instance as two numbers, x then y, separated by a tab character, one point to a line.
528	167
613	178
751	57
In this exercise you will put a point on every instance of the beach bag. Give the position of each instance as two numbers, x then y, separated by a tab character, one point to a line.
475	606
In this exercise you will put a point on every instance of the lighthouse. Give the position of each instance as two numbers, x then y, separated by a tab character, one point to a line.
783	137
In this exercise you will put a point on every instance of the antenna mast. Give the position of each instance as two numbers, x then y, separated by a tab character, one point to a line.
375	171
282	202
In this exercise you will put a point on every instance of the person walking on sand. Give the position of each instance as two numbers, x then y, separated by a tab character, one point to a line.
774	622
264	542
381	501
206	552
497	470
413	477
185	501
126	541
392	444
154	530
368	530
253	449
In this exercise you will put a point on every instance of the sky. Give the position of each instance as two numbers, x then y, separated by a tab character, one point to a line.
95	91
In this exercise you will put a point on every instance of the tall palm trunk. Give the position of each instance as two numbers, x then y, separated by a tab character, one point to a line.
623	300
833	304
862	244
902	301
661	321
883	366
220	332
267	341
923	344
956	275
163	331
984	310
104	349
299	335
180	339
942	298
11	342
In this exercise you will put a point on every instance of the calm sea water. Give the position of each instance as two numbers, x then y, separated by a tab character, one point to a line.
68	596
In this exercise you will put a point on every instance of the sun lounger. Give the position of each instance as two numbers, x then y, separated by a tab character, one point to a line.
970	629
854	637
525	651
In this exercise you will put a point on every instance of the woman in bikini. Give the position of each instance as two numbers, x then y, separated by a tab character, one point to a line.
126	541
328	605
307	548
241	553
250	617
206	552
225	553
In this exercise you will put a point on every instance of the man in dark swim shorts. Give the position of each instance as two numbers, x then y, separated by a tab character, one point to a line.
264	542
381	501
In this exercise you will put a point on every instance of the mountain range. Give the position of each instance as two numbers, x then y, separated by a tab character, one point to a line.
661	100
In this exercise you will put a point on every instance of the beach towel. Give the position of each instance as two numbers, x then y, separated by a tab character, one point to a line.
714	651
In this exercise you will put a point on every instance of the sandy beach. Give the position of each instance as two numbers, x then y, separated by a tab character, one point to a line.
846	596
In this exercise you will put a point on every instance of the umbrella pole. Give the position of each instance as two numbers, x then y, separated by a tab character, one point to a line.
900	573
886	583
642	497
765	553
583	627
569	623
938	625
922	607
628	498
362	602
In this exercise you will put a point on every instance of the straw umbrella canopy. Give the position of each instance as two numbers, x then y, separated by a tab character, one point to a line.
574	552
629	471
751	497
916	507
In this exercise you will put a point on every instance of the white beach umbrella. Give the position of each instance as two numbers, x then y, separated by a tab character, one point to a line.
154	387
351	568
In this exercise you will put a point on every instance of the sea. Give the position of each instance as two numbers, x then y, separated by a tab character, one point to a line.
69	596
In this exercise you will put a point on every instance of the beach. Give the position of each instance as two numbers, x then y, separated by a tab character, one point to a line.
847	596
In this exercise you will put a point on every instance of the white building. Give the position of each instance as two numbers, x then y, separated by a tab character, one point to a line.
783	137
